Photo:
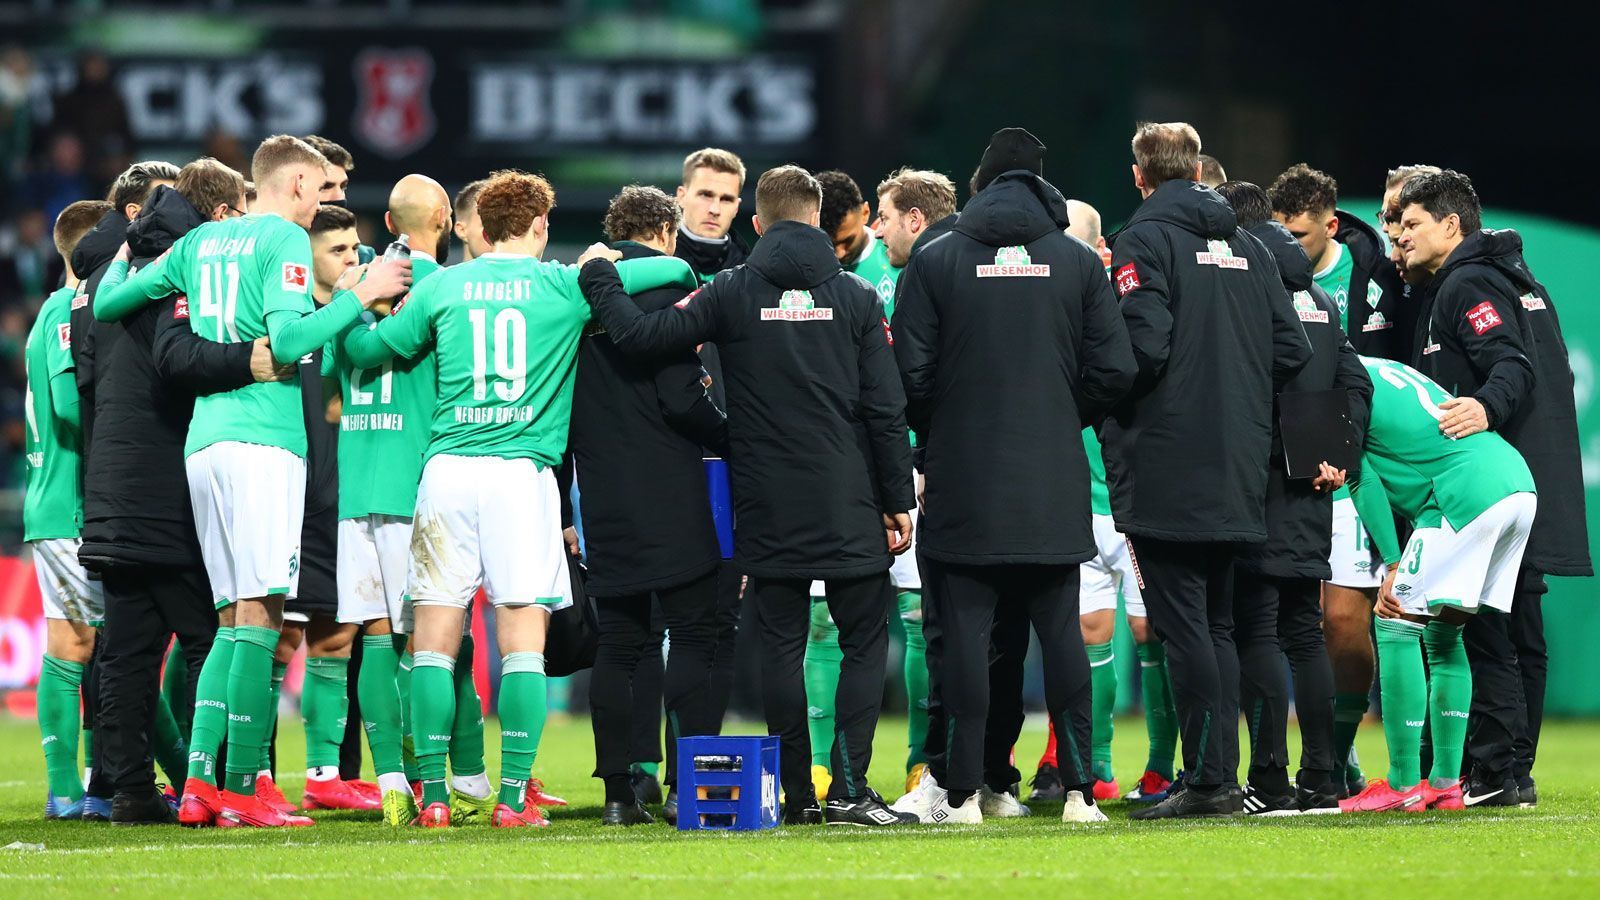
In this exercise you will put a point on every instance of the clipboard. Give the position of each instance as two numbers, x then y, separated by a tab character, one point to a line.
1315	427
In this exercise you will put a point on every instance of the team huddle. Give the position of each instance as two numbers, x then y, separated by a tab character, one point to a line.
247	435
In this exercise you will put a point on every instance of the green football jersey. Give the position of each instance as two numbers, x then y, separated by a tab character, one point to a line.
875	268
1099	494
504	330
1410	466
53	505
383	429
1335	279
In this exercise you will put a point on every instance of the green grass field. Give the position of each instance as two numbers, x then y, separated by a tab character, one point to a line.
1551	851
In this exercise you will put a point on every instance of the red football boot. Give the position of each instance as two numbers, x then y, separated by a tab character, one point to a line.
1447	799
200	804
267	792
366	789
335	793
530	817
536	796
434	815
1106	790
241	811
1380	797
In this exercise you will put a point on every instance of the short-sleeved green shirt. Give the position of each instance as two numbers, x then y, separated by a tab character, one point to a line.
53	505
1335	279
383	429
504	330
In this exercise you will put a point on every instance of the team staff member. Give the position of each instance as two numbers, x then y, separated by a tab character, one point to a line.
1214	335
1488	333
637	429
1276	608
804	344
1003	525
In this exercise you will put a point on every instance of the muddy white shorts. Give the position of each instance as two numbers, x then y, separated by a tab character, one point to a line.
64	584
374	563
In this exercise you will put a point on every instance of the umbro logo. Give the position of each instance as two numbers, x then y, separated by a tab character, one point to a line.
883	817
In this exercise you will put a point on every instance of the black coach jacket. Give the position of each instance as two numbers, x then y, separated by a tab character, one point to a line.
1009	342
90	259
1488	329
638	425
816	417
1214	335
1382	312
1299	519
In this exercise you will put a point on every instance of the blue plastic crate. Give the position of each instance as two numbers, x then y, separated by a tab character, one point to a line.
727	783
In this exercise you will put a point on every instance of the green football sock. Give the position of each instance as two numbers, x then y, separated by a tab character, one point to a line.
916	677
402	683
1160	717
466	737
433	711
167	744
823	658
249	705
60	682
1404	688
1449	699
274	695
175	687
1103	689
522	715
647	767
210	722
1348	711
380	701
325	705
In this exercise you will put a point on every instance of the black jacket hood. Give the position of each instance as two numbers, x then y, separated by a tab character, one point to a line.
1018	207
1357	234
1293	264
167	217
1189	205
1501	249
100	245
937	230
708	258
794	255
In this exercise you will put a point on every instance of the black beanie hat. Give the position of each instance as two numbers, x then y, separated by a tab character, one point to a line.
1010	148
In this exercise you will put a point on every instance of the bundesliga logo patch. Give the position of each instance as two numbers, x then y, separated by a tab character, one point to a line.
1483	318
64	335
1307	308
1218	253
294	277
1126	280
796	306
1013	262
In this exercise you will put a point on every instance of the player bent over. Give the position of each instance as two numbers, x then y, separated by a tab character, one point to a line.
1472	502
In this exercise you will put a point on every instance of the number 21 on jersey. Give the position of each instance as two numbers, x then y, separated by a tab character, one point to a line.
509	351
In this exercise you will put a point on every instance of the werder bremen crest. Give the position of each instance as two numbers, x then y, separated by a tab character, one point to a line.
796	306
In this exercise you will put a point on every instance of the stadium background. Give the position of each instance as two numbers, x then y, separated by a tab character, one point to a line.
601	93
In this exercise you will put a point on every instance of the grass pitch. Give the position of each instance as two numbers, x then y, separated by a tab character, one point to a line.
1551	851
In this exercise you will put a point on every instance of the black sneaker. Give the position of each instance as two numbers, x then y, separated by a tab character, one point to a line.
1047	787
1314	802
1487	792
1193	803
645	786
868	811
669	809
802	814
1261	803
1527	793
141	808
618	812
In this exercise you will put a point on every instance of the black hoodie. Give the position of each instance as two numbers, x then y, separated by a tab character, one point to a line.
136	494
1214	334
1381	310
1009	342
637	429
90	259
1488	329
816	417
1299	519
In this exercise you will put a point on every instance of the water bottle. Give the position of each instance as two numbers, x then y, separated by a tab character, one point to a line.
399	248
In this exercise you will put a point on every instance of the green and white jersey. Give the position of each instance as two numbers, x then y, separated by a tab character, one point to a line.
504	330
53	505
1099	494
387	416
1335	279
875	268
1413	468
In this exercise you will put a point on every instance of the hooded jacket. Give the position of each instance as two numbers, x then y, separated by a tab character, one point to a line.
637	428
1299	519
1214	334
1009	342
1381	311
816	418
90	259
1488	329
136	491
707	258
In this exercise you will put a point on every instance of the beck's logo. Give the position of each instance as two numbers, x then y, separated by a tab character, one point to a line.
1483	318
395	116
1013	262
1218	253
796	306
1308	309
294	277
1126	280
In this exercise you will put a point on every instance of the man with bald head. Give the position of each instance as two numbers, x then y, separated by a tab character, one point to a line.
420	208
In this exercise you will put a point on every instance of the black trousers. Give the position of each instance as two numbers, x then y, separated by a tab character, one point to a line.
860	607
1509	668
649	685
1276	618
729	591
1188	591
145	607
1533	663
626	636
969	598
350	745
